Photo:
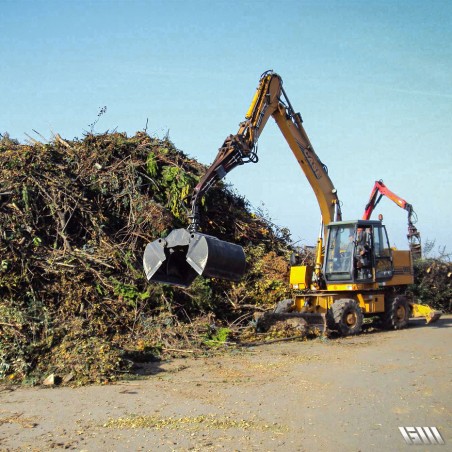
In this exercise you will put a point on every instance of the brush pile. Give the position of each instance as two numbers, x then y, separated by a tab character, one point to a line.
433	283
75	217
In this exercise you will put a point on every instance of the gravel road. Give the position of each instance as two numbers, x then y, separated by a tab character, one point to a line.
346	394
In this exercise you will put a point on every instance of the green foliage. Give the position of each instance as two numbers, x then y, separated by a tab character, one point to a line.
200	296
20	333
151	164
177	185
25	197
129	260
216	337
129	292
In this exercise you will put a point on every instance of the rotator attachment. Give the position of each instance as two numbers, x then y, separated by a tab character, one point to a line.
183	255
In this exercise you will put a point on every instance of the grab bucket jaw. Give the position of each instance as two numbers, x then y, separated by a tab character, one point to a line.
183	255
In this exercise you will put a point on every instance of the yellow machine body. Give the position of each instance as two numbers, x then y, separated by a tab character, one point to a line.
300	277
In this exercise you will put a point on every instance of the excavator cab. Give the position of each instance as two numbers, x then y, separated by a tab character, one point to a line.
357	252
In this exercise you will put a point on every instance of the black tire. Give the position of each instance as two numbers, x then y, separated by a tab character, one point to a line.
397	312
346	317
283	306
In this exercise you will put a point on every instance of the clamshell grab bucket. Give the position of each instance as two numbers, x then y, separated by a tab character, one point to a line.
180	257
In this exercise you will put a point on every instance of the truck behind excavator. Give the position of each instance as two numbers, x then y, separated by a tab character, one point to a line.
356	274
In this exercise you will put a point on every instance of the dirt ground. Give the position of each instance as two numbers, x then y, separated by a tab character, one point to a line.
345	394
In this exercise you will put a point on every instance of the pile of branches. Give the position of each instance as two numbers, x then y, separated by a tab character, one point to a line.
75	217
433	283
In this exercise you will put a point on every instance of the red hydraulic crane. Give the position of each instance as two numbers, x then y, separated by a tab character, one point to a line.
414	237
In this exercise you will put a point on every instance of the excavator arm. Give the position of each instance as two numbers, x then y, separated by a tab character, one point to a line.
414	237
270	100
185	253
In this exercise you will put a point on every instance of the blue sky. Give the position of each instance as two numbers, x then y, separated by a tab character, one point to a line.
372	80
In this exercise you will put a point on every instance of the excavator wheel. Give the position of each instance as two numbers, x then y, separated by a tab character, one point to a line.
346	317
397	312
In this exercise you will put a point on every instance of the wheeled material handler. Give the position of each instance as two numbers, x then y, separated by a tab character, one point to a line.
356	273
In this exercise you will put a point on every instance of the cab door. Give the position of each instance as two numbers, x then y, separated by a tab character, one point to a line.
382	254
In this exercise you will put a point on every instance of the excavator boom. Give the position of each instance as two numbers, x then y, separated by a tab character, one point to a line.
270	100
170	260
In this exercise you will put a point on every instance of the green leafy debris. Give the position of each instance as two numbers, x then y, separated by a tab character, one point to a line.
75	217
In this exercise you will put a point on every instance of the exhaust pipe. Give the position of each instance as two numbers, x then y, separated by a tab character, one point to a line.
183	255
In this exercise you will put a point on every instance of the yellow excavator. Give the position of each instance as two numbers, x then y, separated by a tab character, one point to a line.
356	273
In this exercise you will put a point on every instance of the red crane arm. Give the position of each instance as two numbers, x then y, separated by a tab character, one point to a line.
379	190
377	193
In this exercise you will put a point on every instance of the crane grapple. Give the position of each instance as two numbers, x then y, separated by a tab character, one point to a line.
183	255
